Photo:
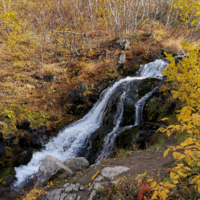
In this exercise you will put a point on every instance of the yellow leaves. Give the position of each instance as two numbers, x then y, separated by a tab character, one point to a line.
164	119
168	133
163	195
196	132
51	183
187	158
155	194
188	141
153	184
34	194
166	153
178	156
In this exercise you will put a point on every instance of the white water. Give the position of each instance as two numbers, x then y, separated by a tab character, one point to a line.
68	142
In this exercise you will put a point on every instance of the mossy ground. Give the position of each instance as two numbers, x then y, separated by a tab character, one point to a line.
6	172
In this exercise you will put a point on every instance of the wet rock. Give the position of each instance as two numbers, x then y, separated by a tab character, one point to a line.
93	98
8	180
147	85
134	136
72	109
51	168
178	58
15	144
149	126
7	176
38	141
81	109
121	61
24	124
94	143
144	139
76	164
163	51
42	129
127	138
23	141
9	139
22	158
2	152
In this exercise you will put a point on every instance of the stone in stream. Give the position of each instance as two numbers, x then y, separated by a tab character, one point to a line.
76	164
51	168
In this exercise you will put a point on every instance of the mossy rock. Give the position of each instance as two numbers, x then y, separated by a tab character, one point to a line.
128	115
2	162
126	138
7	176
154	108
147	85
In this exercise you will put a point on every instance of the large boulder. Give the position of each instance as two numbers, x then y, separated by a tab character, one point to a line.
76	164
2	152
51	168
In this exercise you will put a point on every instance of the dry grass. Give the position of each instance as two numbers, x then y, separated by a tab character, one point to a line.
174	45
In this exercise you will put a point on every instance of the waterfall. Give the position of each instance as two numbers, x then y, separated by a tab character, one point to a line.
68	142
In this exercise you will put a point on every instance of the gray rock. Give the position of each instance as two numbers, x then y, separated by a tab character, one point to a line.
72	187
93	194
124	43
79	198
54	195
99	179
60	194
96	186
66	185
70	197
76	164
82	188
51	168
110	172
121	61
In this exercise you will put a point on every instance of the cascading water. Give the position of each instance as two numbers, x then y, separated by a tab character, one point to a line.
68	142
